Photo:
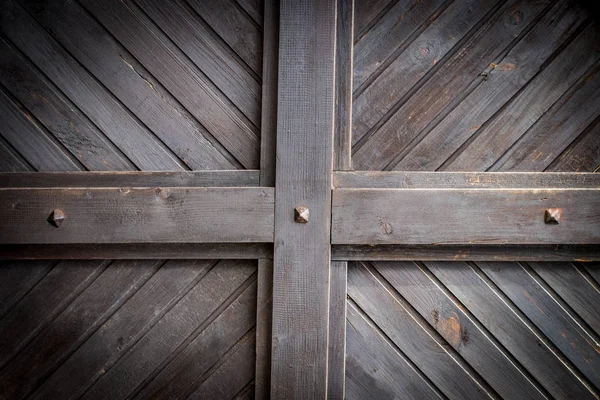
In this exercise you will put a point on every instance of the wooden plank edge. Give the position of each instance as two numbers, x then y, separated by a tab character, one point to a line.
463	180
135	251
579	253
99	179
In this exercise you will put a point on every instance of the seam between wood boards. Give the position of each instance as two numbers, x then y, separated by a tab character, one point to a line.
218	146
489	335
247	15
218	92
196	332
89	333
586	275
499	162
410	310
394	55
66	100
231	350
572	145
471	87
52	264
352	303
524	319
226	45
384	10
44	131
562	303
176	159
425	78
245	390
18	157
500	110
32	335
111	363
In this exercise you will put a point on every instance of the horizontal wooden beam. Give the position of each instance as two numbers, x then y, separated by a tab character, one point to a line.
135	251
398	252
464	216
463	180
137	215
229	178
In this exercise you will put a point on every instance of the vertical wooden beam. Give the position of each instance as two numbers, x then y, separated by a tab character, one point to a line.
344	59
336	371
264	303
304	176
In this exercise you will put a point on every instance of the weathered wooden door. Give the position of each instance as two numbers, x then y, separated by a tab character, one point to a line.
363	199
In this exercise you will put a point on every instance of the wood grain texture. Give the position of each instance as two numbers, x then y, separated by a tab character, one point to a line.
138	215
304	169
460	180
264	321
107	113
61	117
190	86
436	252
135	251
235	178
464	216
343	85
17	278
268	128
336	364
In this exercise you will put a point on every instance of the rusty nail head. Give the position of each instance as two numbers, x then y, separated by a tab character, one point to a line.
56	217
301	214
552	216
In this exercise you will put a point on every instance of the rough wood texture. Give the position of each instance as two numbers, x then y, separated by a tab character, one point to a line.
464	216
137	215
235	178
264	321
336	370
343	85
304	169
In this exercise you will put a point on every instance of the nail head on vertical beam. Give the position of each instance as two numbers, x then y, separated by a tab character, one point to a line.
301	214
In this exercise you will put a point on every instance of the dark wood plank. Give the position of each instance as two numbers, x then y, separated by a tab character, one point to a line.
343	85
17	278
556	129
11	160
255	9
109	115
459	180
336	363
464	216
457	75
198	361
165	341
461	330
264	321
382	95
376	368
502	81
583	154
130	82
135	251
547	312
414	337
137	215
268	129
368	13
180	77
44	303
194	37
378	47
520	252
73	326
304	171
122	330
59	115
575	286
241	33
231	376
234	178
516	118
31	140
513	330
